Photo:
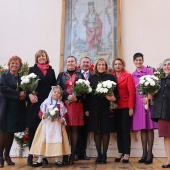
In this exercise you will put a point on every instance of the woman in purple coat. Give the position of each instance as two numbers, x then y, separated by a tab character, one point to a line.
141	119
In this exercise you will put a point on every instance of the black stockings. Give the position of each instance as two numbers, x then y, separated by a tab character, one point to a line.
72	131
6	140
99	138
147	138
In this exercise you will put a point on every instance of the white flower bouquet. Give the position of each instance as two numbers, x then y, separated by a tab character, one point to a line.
81	87
53	113
148	84
29	82
106	88
3	69
157	71
21	139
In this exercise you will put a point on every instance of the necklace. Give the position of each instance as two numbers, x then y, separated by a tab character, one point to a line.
55	103
70	82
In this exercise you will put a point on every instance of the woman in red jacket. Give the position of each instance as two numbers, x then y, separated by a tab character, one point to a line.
124	110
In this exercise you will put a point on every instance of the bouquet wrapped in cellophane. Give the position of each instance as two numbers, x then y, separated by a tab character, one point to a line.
148	84
30	83
54	114
81	87
106	88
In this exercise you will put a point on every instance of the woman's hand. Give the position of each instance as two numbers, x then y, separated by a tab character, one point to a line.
45	116
144	100
33	98
22	95
150	96
87	113
72	98
131	113
111	98
61	120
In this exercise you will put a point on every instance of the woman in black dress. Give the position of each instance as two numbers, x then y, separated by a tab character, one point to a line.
101	118
47	79
12	108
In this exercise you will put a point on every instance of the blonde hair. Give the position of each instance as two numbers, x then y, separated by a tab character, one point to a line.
39	53
96	63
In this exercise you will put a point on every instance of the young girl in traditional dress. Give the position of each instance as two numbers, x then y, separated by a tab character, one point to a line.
51	138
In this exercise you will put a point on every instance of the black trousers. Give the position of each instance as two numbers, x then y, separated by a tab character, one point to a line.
31	134
123	122
82	138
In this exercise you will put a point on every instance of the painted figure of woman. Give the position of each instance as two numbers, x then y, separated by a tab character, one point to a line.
93	30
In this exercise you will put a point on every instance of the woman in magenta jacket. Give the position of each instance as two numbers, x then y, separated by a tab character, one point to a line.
124	110
142	118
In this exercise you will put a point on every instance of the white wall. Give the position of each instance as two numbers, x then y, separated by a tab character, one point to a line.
145	27
29	25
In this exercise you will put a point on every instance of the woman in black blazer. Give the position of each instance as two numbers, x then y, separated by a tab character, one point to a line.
12	108
47	79
101	118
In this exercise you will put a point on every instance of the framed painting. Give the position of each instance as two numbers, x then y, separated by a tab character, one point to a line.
90	28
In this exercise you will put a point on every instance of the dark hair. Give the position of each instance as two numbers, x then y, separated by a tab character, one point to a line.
72	57
137	55
85	57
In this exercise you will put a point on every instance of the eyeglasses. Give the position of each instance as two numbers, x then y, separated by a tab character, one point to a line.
12	63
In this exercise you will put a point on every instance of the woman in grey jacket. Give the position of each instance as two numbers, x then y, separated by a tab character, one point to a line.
161	110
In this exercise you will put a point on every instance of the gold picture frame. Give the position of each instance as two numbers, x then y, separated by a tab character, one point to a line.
66	21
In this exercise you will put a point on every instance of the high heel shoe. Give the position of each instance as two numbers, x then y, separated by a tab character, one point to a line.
125	161
166	166
103	160
8	160
150	161
1	162
118	159
99	158
71	159
143	159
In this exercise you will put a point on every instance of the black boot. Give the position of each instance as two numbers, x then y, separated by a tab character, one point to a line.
45	161
1	162
8	160
71	159
65	160
30	160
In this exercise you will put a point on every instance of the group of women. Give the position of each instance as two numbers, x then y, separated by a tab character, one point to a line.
130	113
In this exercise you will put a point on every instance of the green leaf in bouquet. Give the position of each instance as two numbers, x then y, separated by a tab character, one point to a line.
24	69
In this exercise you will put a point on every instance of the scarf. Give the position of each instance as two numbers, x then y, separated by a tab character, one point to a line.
43	68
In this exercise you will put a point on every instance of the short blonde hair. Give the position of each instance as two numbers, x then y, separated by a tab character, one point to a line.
39	53
96	63
15	58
